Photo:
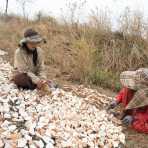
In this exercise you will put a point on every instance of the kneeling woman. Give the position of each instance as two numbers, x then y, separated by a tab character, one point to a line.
29	72
134	97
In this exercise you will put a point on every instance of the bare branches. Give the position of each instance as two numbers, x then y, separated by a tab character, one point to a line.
23	4
6	10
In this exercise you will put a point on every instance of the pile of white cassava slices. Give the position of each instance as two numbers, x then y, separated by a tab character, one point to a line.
64	119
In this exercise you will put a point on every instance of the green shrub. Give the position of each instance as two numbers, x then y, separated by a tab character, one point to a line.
106	79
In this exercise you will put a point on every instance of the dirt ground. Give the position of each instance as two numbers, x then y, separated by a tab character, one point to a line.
136	140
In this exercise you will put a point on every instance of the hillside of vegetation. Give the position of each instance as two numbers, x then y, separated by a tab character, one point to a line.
88	53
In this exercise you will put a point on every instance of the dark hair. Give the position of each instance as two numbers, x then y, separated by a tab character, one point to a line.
34	53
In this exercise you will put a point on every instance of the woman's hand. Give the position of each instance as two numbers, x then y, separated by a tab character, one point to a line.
41	83
113	104
127	120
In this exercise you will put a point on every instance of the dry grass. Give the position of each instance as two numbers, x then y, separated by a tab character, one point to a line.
87	53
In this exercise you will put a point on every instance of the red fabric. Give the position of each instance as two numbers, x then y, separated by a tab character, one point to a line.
125	95
140	123
140	115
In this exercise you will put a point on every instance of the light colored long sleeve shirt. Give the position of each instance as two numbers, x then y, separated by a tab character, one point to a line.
23	63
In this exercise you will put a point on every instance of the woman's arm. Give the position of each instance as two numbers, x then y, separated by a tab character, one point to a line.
41	66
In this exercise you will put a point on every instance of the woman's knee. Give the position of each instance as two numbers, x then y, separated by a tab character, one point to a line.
22	80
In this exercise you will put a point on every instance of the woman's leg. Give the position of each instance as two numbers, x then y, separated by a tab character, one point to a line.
22	80
140	123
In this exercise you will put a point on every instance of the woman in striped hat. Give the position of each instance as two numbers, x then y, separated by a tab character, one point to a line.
134	97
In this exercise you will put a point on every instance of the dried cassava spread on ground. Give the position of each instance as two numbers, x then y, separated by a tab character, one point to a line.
63	119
